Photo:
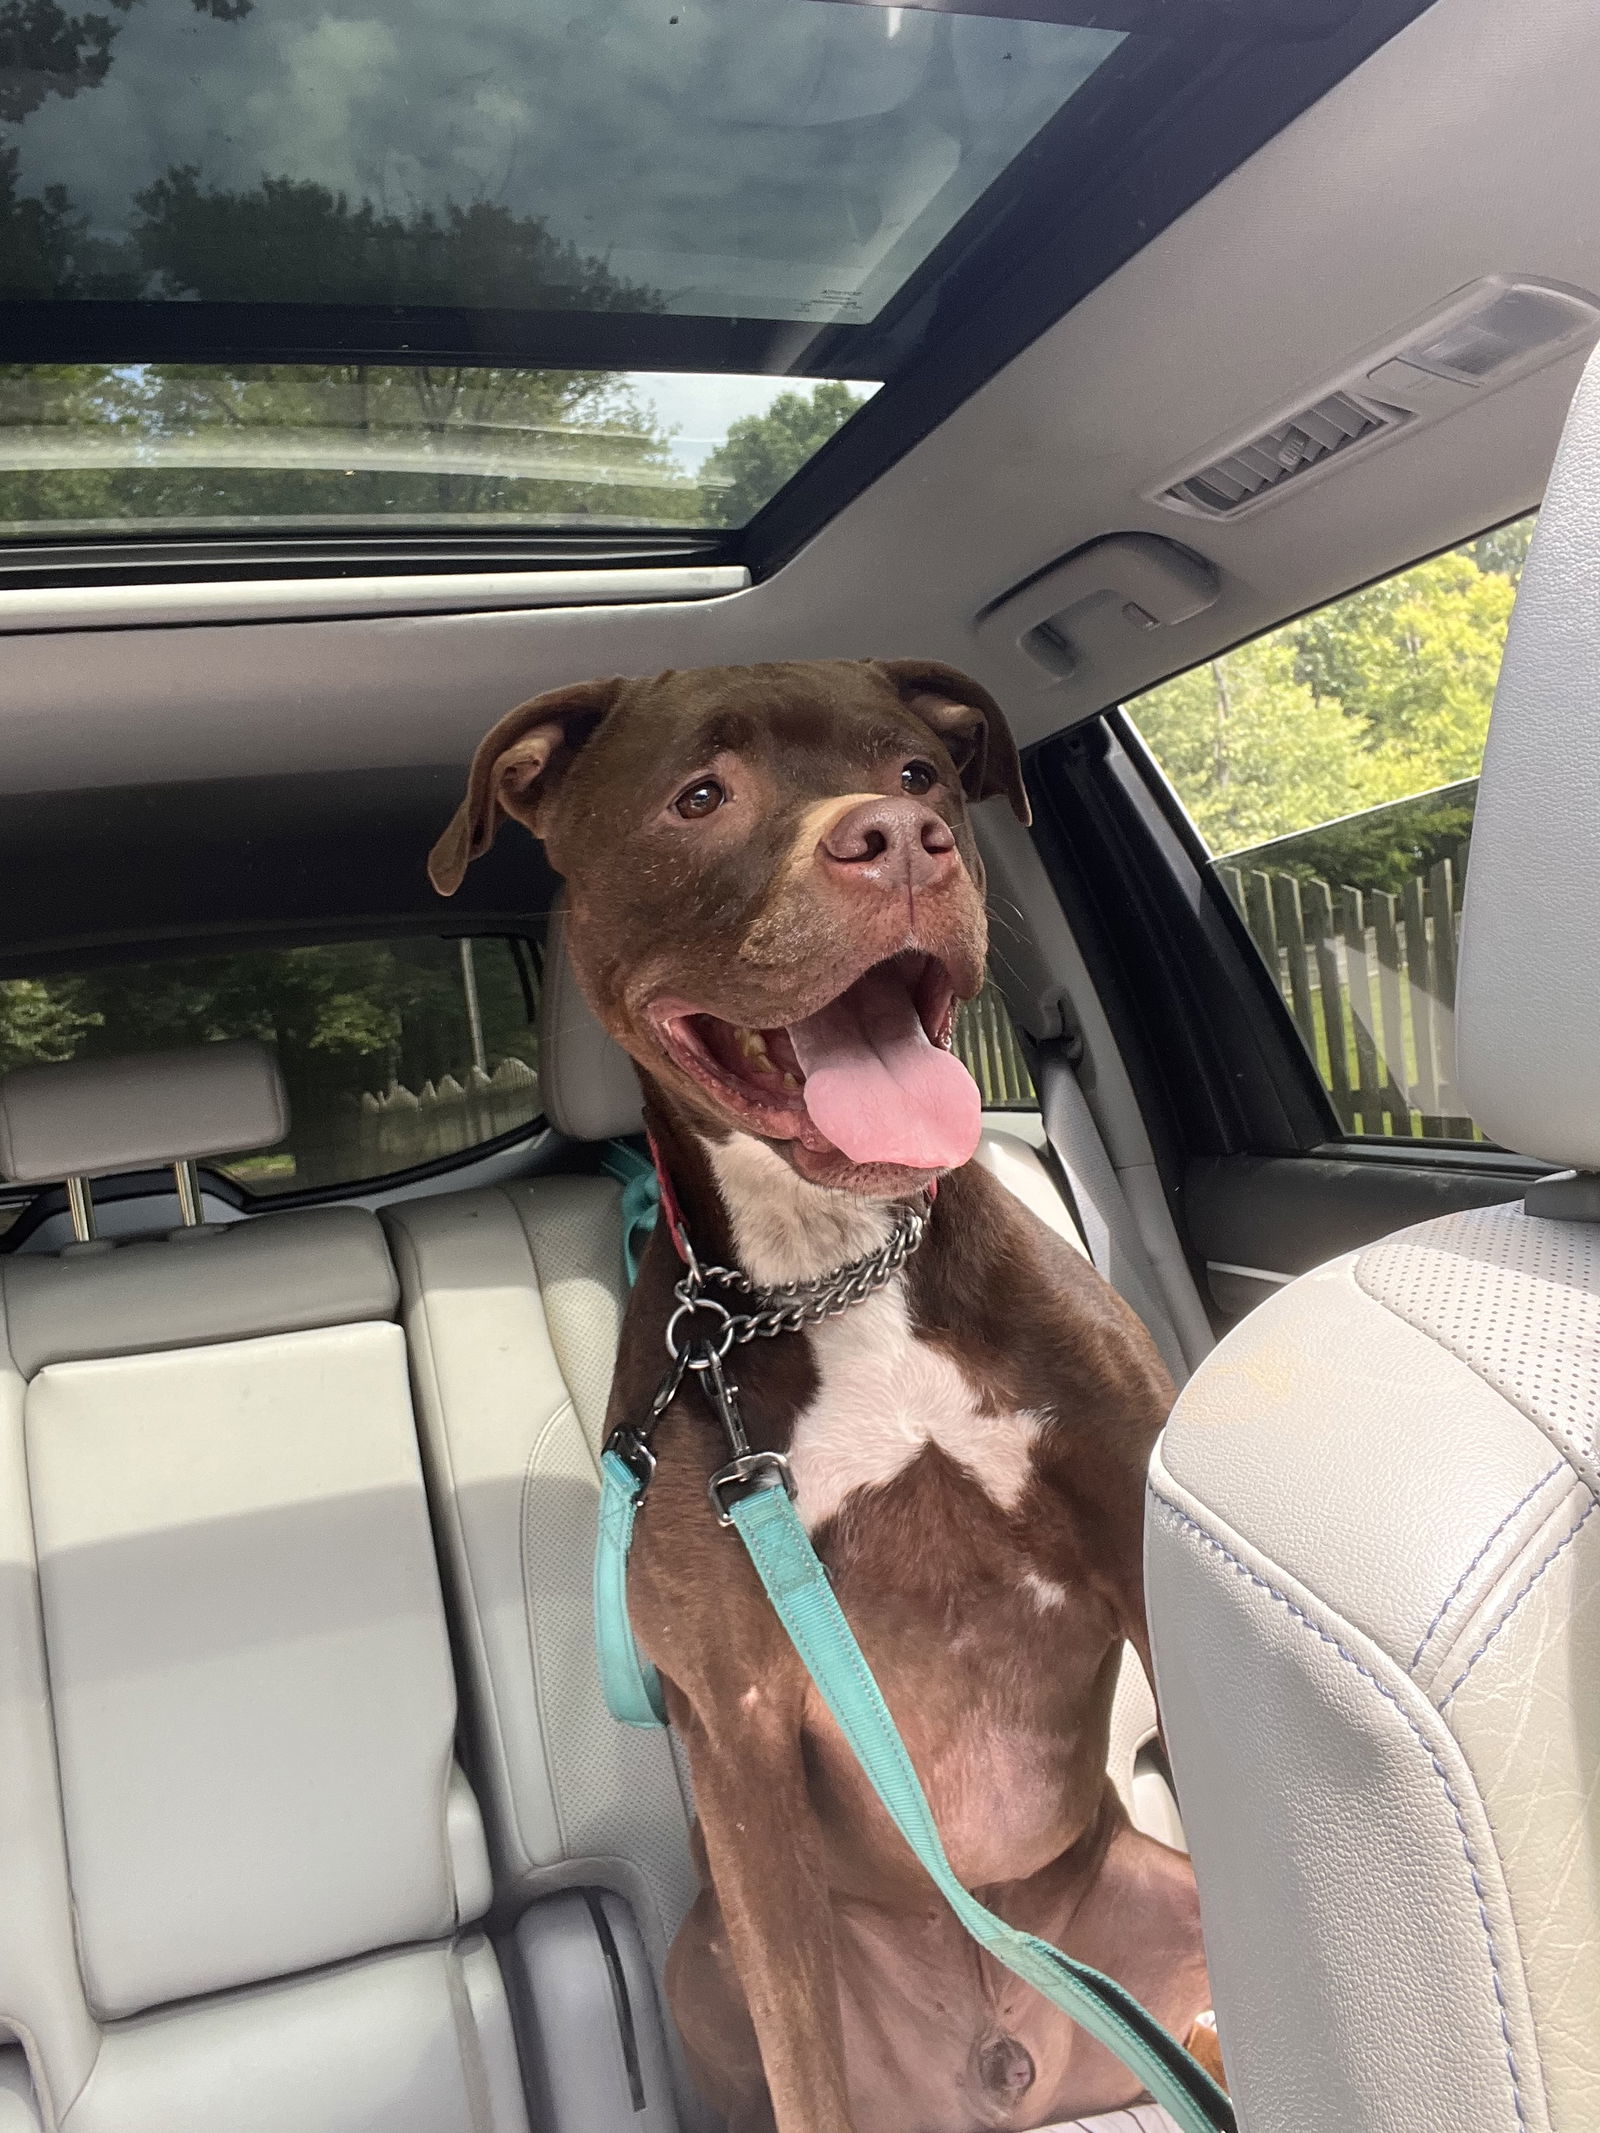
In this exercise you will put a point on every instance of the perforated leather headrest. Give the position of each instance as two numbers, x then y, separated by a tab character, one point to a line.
1528	998
86	1118
587	1080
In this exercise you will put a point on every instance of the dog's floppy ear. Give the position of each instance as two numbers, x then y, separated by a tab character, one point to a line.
514	771
969	722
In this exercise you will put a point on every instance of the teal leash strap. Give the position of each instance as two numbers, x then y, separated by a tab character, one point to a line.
641	1199
798	1587
630	1684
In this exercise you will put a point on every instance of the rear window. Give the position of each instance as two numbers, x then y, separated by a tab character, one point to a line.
395	1052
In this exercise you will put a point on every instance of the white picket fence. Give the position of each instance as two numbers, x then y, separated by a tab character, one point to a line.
1370	979
404	1127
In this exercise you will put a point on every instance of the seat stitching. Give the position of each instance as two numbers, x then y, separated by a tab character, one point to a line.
1455	1589
530	1608
1243	1570
1558	1549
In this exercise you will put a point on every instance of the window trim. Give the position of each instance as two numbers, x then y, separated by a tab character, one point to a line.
1300	1091
169	559
46	610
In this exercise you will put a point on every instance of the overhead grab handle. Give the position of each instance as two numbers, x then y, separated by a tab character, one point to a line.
1135	581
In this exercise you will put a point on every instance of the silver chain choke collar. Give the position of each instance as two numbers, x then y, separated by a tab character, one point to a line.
700	1332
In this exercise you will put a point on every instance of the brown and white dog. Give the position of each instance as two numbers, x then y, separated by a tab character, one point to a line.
775	902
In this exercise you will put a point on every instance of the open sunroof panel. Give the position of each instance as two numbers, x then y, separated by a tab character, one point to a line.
539	266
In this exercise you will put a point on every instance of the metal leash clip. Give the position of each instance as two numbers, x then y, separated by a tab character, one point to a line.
752	1466
701	1332
745	1465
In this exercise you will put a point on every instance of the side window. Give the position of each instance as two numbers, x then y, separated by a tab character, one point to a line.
395	1052
985	1041
1332	767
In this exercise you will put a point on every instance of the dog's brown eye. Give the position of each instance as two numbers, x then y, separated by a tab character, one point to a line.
702	799
918	778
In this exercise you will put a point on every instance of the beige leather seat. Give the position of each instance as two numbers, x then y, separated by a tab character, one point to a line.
238	1862
512	1299
1374	1566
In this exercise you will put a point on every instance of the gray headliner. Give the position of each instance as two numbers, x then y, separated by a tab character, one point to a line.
1466	146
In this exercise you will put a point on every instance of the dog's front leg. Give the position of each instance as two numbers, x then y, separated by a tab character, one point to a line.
757	1952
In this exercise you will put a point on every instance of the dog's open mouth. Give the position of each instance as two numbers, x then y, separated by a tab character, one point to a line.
869	1074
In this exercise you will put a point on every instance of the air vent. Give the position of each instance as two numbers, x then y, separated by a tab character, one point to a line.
1267	462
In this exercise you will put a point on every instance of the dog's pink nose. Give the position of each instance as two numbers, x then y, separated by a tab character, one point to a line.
892	843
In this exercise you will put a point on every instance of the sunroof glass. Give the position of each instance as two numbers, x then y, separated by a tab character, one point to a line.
269	265
135	448
773	159
645	162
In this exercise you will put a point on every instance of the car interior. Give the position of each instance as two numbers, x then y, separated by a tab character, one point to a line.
1191	373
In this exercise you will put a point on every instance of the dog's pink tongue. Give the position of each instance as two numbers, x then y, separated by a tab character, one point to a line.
876	1086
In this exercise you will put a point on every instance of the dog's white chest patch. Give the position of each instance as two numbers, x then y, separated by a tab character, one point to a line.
883	1396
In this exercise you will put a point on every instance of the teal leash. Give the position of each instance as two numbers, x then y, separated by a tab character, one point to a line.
630	1684
753	1494
797	1585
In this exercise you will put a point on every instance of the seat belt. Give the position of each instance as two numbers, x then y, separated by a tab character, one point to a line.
1115	1246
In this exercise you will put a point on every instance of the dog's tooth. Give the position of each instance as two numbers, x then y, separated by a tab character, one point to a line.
754	1047
791	1082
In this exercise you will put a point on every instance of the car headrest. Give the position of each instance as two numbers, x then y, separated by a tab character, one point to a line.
1528	995
586	1079
86	1118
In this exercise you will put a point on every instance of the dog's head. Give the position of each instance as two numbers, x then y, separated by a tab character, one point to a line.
775	900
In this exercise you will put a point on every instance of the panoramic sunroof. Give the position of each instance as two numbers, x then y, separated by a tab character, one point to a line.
728	159
524	265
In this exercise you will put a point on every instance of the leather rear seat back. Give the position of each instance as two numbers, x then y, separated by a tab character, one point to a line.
227	1706
513	1298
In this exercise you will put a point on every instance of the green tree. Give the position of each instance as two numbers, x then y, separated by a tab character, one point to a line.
1371	699
761	452
585	445
1252	750
47	248
45	51
1417	657
1506	549
42	1020
291	241
554	445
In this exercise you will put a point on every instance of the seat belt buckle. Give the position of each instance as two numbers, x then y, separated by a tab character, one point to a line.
749	1472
